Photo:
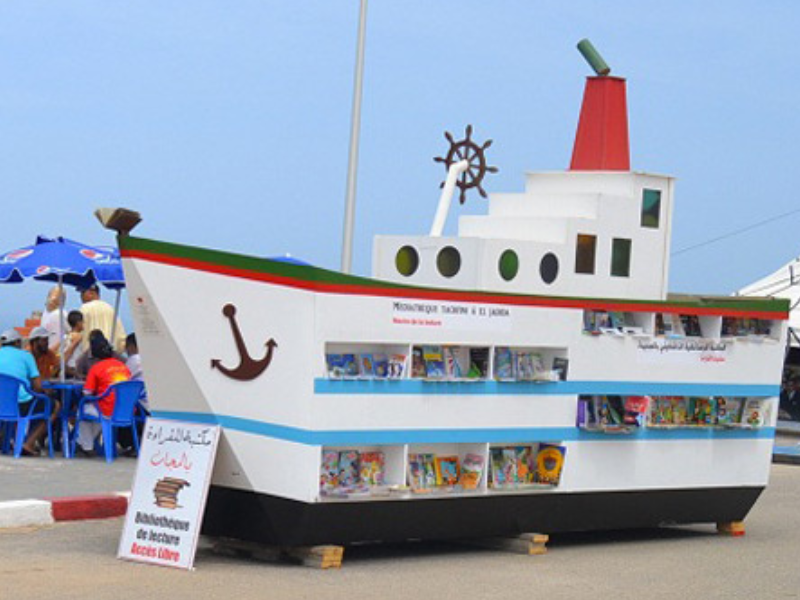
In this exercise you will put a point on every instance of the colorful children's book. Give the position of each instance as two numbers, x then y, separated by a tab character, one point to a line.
434	362
380	365
329	471
447	470
680	410
397	366
418	363
421	471
504	467
661	411
617	320
348	468
526	464
452	366
471	471
350	364
550	463
503	364
690	325
702	411
478	363
526	364
335	364
590	322
729	411
372	468
754	413
366	366
636	410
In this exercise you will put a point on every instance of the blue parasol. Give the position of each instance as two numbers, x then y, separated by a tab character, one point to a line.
66	262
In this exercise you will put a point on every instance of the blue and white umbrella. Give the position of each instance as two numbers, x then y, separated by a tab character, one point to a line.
67	262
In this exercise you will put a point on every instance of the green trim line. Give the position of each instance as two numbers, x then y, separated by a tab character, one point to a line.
228	260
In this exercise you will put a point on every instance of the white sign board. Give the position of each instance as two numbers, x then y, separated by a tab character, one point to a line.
682	351
169	493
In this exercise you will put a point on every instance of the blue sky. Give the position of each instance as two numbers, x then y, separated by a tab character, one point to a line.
226	124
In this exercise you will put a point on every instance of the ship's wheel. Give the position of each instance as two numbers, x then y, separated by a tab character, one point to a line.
474	154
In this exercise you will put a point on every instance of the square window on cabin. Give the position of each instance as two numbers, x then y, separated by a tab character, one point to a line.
651	208
585	253
621	257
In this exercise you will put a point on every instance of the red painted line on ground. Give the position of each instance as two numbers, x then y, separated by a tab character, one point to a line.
437	294
78	508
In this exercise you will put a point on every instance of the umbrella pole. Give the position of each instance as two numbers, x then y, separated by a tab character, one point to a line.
116	316
61	324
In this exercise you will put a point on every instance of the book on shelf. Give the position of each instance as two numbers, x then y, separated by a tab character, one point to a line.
456	361
478	363
590	322
350	365
421	471
434	362
418	369
366	365
680	410
380	365
616	320
550	463
754	412
397	366
503	467
329	470
447	470
471	471
372	468
503	364
729	411
702	411
561	367
526	463
636	408
349	470
335	363
661	412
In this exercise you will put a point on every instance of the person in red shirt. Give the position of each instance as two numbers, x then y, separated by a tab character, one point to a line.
107	371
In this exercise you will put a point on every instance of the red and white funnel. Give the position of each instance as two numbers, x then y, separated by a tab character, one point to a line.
601	142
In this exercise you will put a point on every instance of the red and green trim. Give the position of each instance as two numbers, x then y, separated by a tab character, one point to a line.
332	282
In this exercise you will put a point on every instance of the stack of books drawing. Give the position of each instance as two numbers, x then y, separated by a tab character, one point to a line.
525	466
166	491
429	473
449	363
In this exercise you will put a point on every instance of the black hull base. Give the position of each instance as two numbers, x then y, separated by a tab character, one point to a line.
278	521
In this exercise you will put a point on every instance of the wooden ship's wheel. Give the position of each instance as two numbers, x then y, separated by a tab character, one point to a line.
474	154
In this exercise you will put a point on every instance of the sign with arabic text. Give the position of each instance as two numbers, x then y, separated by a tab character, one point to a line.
682	351
169	493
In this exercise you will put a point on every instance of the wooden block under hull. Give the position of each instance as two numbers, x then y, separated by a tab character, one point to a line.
320	557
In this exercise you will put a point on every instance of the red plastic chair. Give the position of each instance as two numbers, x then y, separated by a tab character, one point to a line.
40	408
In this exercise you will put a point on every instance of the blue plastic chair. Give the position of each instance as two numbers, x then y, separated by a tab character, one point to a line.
10	414
123	415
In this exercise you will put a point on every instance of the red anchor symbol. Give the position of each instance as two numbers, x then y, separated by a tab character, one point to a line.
248	367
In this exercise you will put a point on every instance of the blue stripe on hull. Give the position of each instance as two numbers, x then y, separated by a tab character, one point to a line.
441	436
522	388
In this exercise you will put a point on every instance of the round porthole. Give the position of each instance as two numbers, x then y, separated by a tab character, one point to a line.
548	268
508	265
448	261
407	261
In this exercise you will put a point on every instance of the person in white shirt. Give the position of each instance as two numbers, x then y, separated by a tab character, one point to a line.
100	315
54	319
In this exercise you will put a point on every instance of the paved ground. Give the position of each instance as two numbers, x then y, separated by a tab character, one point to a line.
76	561
37	477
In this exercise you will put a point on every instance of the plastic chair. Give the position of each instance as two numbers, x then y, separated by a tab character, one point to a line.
10	414
127	397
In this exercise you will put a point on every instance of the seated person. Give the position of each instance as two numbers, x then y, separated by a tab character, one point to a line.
46	360
14	361
87	359
106	371
72	350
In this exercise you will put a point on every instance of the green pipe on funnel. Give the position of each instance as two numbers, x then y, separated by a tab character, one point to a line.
593	57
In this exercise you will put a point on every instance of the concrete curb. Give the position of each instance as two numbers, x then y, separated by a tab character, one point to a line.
27	513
